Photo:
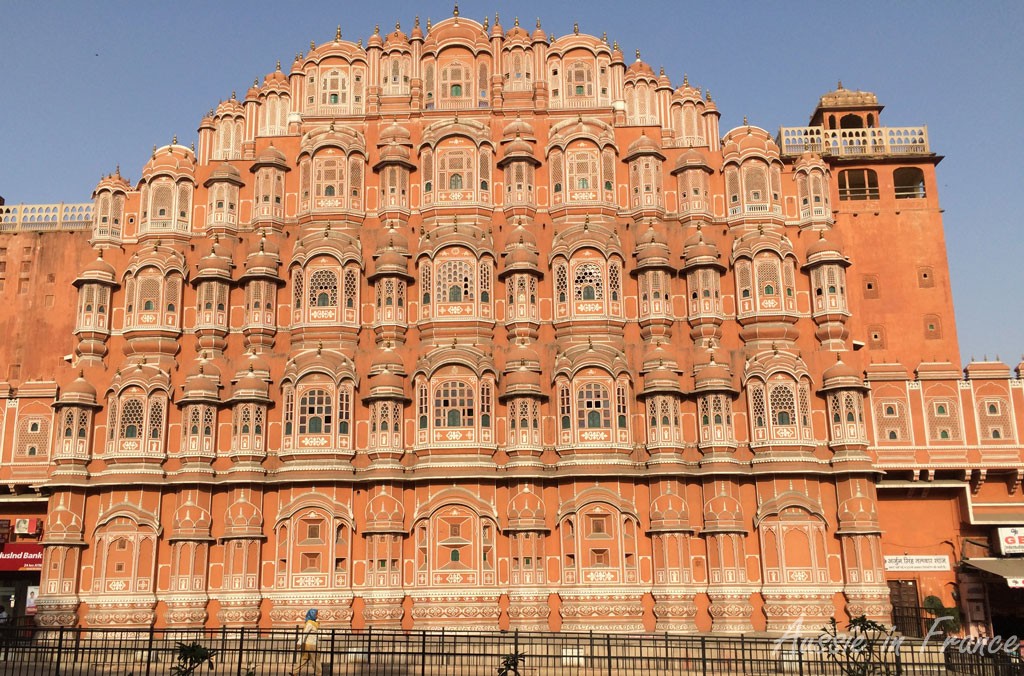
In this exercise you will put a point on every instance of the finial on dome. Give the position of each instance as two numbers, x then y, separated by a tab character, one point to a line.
376	29
840	85
429	24
233	95
337	34
661	70
154	151
615	45
117	171
686	80
331	126
487	22
575	29
637	54
586	223
174	139
707	96
319	348
745	123
538	22
278	67
604	37
416	23
312	45
516	22
590	343
398	26
256	81
192	146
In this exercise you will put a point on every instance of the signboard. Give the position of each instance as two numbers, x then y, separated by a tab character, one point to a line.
914	564
1015	582
21	556
1011	540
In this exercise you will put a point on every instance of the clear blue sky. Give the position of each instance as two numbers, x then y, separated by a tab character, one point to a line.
91	85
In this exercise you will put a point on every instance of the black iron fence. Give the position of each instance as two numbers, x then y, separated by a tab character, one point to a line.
252	652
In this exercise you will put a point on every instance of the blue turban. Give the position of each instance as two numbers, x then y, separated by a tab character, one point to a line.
311	614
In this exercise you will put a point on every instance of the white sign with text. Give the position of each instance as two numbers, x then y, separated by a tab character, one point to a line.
913	564
1011	540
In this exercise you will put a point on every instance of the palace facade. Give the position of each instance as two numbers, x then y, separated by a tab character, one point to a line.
476	327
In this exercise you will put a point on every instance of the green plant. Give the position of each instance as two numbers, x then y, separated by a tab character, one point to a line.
510	664
192	656
863	650
949	618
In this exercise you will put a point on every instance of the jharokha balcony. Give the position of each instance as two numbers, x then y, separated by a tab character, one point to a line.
857	142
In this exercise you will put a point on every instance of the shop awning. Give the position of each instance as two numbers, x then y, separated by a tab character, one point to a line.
1012	570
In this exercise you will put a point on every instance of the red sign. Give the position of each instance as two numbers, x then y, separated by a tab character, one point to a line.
21	556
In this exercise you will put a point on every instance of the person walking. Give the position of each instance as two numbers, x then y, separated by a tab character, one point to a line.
306	653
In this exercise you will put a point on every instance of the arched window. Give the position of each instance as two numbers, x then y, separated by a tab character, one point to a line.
323	288
455	182
908	182
316	412
588	282
858	184
454	404
593	408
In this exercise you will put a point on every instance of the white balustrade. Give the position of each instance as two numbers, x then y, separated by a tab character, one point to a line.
45	217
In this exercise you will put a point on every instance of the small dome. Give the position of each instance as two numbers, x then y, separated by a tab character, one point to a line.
841	376
202	386
263	260
396	39
518	128
748	140
395	132
518	149
113	182
713	377
225	172
639	70
668	513
825	250
699	252
232	107
522	378
271	156
526	511
691	159
174	160
663	80
190	520
516	35
79	391
251	387
644	145
385	513
375	40
723	512
841	97
97	270
652	248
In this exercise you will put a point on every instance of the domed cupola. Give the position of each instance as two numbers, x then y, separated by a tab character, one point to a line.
654	273
202	384
260	282
660	371
827	265
395	166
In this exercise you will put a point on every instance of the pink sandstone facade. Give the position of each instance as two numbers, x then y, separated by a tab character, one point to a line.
480	328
